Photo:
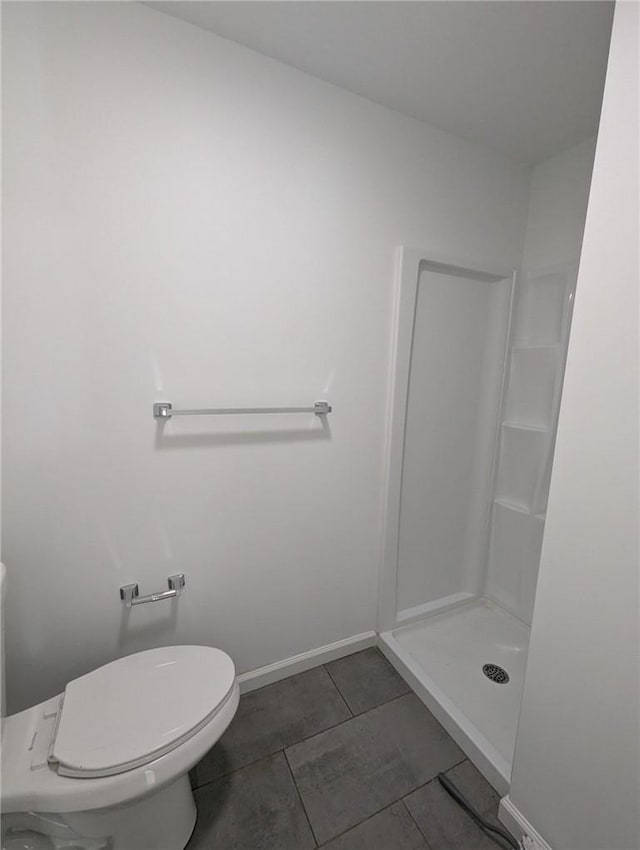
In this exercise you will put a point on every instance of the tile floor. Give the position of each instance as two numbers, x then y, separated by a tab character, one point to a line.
342	757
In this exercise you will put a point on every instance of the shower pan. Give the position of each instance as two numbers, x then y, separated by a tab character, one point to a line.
477	377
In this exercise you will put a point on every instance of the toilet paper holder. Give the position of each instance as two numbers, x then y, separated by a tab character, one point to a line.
130	593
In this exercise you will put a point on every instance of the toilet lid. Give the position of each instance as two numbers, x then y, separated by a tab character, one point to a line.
138	708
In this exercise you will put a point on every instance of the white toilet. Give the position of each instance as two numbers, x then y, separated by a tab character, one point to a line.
104	766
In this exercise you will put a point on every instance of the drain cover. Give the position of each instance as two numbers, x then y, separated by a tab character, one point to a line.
495	673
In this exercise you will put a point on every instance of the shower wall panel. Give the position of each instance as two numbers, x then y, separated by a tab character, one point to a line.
558	204
455	381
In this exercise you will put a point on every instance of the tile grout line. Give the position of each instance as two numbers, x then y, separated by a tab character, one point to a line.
299	795
349	720
273	752
360	822
309	738
342	696
424	785
413	820
236	769
286	746
293	779
283	749
321	732
384	808
433	778
409	690
385	702
353	826
408	687
483	812
448	770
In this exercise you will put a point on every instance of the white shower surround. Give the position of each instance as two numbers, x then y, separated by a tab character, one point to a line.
429	642
411	263
473	604
441	643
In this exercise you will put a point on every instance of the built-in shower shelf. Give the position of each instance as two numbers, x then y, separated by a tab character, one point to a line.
511	506
522	457
533	347
542	307
523	426
532	382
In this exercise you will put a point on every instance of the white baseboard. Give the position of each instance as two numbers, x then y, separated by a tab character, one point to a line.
513	819
304	661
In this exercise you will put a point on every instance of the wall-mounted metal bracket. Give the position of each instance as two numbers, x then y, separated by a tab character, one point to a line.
130	593
164	410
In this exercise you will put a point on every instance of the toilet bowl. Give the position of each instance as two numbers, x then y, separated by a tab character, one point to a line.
105	765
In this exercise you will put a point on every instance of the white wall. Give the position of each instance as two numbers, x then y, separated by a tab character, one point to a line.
576	771
187	220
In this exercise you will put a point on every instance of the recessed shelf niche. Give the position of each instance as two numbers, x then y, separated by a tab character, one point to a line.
522	453
532	381
542	309
516	542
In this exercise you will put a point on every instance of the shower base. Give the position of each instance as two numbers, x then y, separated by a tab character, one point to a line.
442	657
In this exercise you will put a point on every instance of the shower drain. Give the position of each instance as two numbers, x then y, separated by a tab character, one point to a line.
495	673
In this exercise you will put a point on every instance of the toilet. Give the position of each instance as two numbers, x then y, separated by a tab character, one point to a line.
105	765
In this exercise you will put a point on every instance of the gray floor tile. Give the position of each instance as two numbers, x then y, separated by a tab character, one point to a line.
346	774
390	829
366	680
255	808
472	784
272	718
444	824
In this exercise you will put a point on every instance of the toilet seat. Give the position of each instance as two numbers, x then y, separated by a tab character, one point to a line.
31	783
135	709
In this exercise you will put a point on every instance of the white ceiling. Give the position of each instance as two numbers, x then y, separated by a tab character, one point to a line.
525	78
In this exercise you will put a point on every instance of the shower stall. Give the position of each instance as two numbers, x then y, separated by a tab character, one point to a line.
477	375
